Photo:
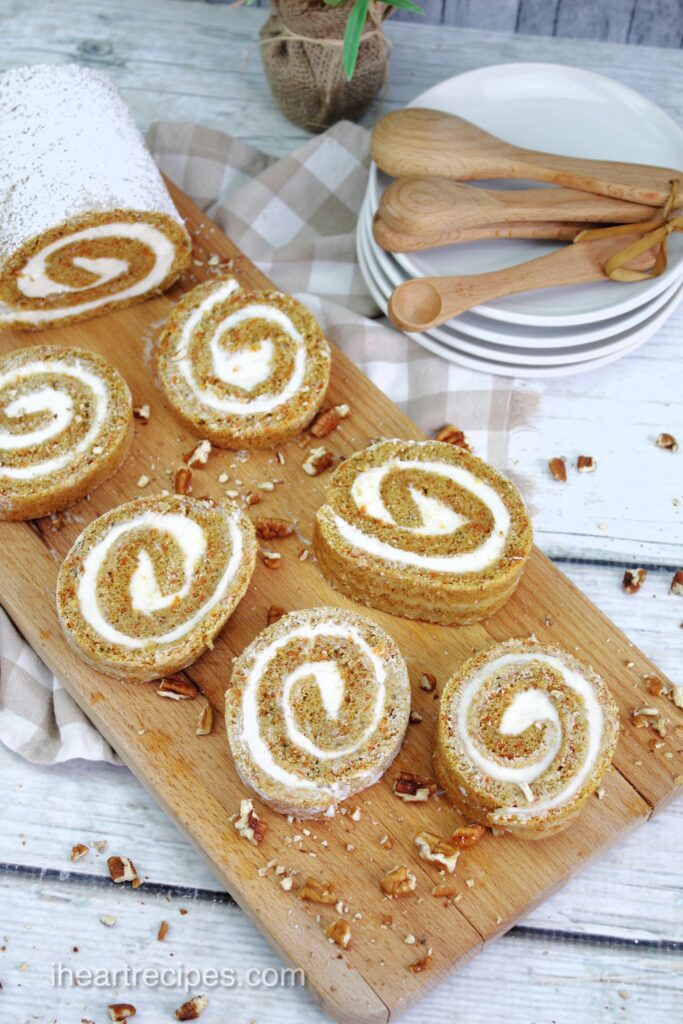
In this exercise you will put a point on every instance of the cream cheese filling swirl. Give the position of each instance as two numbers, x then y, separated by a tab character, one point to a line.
244	369
438	519
48	399
528	707
145	594
330	683
34	281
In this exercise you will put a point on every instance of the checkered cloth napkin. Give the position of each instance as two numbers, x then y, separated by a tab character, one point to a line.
295	217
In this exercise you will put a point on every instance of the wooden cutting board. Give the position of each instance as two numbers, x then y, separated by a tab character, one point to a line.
500	879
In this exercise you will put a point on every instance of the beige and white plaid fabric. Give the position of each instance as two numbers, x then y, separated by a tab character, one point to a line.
296	218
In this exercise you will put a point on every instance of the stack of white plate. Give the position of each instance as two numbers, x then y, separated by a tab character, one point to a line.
556	331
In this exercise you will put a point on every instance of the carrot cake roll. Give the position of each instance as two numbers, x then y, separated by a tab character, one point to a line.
86	222
317	709
423	529
66	425
525	734
244	369
148	585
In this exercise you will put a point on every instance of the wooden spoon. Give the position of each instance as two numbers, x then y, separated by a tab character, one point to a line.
425	205
426	302
418	141
398	241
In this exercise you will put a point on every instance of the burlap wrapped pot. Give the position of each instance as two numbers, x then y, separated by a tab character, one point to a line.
301	47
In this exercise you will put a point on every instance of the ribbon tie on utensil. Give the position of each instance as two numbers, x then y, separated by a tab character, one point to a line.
653	233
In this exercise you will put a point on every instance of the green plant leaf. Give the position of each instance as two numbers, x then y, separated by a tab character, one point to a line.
354	30
335	3
405	5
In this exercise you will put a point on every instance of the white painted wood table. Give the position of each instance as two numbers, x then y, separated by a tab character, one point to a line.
610	946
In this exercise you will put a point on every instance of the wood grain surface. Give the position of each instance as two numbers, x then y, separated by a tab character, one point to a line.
194	778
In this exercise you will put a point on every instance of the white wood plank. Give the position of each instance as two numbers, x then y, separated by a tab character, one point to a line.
520	978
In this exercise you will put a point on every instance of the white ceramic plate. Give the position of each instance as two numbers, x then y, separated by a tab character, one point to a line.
563	110
515	335
463	352
522	360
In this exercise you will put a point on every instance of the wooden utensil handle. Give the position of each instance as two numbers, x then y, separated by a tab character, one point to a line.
398	241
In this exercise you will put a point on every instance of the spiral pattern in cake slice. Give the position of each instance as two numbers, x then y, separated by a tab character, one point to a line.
66	425
148	585
317	708
525	734
87	223
423	529
244	369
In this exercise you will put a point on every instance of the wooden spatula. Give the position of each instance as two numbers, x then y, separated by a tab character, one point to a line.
398	241
417	142
423	205
426	302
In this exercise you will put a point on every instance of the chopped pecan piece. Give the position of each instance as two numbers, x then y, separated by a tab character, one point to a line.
272	528
249	825
121	870
271	559
413	789
340	932
437	850
386	842
453	435
677	583
275	613
654	686
468	835
586	464
422	965
121	1011
443	889
177	688
677	696
427	682
319	459
192	1009
205	721
252	499
558	469
325	422
79	851
667	441
183	480
633	580
199	456
163	931
142	413
398	882
317	892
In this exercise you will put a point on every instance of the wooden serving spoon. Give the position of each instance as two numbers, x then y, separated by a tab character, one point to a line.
398	241
425	205
418	141
426	302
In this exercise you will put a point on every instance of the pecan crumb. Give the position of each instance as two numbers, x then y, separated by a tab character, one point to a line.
122	869
398	882
121	1011
633	580
275	613
192	1009
339	932
317	892
427	682
468	835
271	559
415	718
558	469
79	851
413	789
319	459
586	464
271	528
142	413
667	441
677	583
183	480
386	842
163	931
422	965
199	456
443	889
437	850
654	686
177	688
327	421
205	721
453	435
249	825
